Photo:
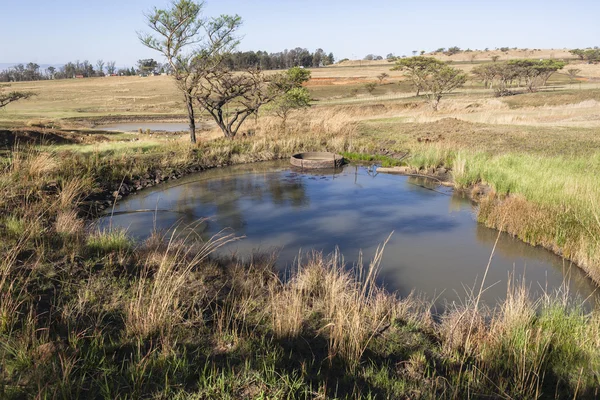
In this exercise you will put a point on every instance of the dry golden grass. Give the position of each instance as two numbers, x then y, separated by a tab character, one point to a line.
354	308
69	223
72	98
58	101
156	305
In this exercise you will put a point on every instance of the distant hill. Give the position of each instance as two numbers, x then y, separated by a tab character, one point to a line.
478	56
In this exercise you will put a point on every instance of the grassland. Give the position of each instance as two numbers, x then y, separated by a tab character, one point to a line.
91	314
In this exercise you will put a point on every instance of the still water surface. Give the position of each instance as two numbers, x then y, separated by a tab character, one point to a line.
437	247
153	126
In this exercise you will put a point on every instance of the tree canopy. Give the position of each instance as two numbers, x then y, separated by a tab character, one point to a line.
416	69
292	95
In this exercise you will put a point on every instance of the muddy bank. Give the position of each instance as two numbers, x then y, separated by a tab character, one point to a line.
34	137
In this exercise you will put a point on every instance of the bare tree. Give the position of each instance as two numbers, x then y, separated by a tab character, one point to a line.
191	44
100	68
231	97
110	68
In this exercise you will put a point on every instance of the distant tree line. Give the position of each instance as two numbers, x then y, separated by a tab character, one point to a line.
238	61
298	57
33	72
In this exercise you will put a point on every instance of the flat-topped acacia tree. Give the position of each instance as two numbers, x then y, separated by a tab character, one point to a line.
416	69
9	97
436	78
193	45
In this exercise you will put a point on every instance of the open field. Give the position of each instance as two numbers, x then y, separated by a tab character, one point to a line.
156	95
92	314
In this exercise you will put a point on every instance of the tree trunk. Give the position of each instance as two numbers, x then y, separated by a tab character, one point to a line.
435	101
190	109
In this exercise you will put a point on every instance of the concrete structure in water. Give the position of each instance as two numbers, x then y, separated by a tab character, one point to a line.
314	160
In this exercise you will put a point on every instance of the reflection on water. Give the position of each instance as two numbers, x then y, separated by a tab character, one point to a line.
437	247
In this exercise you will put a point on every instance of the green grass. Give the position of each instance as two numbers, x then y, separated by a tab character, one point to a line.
109	241
228	329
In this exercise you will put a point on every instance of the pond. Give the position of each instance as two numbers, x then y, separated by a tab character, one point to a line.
153	126
437	247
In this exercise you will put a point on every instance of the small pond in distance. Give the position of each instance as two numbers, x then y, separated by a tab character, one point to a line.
153	126
437	248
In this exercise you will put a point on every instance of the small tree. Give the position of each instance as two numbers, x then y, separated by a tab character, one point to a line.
100	68
370	87
495	58
415	68
497	76
441	79
290	94
382	77
293	99
578	52
572	72
453	50
147	65
181	27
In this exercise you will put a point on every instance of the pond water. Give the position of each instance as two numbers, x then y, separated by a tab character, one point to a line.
153	126
437	248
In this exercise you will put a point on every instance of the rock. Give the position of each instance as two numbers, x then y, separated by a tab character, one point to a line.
397	170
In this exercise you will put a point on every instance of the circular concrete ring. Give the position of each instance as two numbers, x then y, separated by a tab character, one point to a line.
314	160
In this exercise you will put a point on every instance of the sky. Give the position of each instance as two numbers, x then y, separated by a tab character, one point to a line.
54	32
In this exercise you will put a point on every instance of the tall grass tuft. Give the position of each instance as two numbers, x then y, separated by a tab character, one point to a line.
156	306
103	242
354	308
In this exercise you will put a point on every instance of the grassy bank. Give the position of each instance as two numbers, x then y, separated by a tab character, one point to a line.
95	315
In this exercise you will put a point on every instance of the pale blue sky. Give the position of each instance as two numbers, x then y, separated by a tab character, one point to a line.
57	31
